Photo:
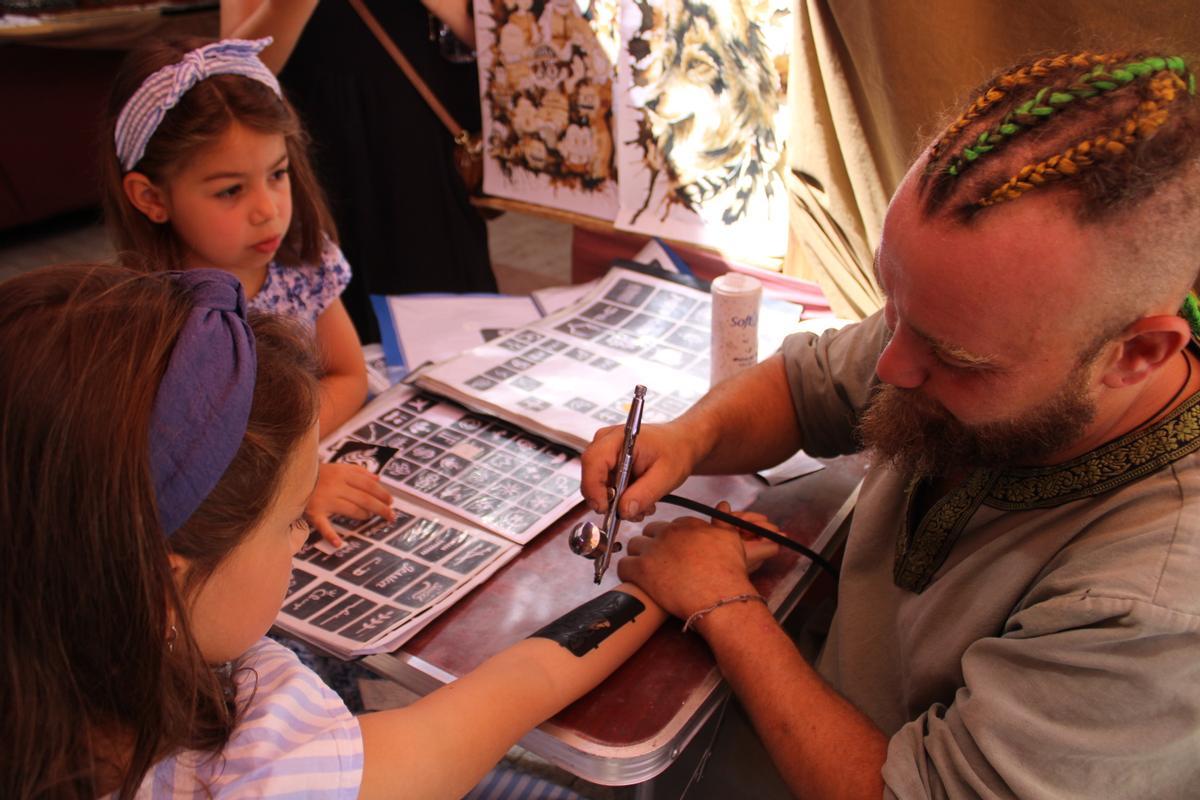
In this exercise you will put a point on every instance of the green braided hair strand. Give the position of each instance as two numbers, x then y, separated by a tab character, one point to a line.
1190	311
1019	78
1051	99
1149	116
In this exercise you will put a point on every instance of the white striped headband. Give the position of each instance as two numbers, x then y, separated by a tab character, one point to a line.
160	92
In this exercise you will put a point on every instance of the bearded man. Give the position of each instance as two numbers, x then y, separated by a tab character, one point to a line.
1019	604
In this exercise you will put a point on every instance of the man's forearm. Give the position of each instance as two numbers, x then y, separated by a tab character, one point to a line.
746	423
822	745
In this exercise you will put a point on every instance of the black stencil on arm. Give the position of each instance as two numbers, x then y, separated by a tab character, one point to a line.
585	627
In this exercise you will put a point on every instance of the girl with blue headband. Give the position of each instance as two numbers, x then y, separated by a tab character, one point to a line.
157	451
205	165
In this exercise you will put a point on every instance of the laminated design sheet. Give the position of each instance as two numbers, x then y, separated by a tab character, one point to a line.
481	469
574	371
387	581
380	375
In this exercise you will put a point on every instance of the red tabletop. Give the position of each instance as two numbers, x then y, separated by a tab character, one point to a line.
652	701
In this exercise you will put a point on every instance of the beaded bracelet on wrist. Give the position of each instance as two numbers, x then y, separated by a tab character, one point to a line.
737	598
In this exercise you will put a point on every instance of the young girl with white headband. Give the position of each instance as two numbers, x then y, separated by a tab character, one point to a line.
140	571
205	165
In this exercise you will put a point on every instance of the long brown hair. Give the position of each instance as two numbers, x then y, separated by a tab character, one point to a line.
91	692
202	115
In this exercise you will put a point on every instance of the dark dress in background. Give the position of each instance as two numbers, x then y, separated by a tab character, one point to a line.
384	158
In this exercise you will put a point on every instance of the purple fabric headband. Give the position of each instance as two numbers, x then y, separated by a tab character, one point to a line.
160	92
203	402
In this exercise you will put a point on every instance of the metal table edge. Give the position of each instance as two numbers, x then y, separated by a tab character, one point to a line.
628	764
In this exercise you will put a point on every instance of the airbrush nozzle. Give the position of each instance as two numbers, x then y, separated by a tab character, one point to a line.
596	542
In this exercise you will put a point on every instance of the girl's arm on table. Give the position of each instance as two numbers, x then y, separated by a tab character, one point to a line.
344	385
345	489
282	19
443	744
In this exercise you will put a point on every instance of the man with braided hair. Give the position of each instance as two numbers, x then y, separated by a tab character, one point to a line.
1019	604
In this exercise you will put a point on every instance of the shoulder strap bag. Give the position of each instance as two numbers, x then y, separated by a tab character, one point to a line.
468	147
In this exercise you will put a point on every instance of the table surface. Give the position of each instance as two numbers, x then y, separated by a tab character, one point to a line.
119	26
634	724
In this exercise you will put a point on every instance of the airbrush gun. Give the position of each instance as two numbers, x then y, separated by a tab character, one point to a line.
599	543
591	540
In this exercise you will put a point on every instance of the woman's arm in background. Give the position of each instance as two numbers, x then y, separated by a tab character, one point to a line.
456	14
253	19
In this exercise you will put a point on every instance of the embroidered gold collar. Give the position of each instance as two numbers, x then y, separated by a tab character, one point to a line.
924	544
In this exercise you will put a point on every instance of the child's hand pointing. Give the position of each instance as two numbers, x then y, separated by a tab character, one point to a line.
349	490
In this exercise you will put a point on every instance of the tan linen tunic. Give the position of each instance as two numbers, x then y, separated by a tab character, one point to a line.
1037	633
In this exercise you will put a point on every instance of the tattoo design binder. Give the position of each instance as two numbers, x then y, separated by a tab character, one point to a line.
469	491
568	374
472	484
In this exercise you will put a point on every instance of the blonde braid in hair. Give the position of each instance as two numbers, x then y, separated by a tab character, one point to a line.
1018	79
1166	85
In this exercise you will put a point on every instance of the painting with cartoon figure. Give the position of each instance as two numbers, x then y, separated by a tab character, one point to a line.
546	70
701	122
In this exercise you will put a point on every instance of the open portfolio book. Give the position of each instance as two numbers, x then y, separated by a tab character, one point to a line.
471	487
572	372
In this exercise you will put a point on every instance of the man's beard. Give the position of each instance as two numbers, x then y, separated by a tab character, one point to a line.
918	436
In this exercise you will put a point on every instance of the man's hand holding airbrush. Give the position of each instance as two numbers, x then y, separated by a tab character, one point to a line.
662	460
745	424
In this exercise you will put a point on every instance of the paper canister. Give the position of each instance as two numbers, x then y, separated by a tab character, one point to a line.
735	300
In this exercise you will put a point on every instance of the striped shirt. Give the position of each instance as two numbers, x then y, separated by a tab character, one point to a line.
295	739
506	783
